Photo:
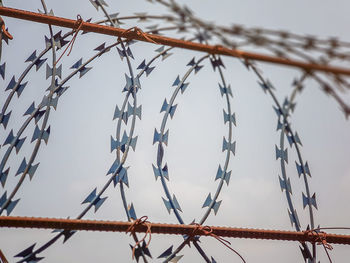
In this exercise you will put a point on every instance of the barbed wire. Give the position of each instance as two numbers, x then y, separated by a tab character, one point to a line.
281	43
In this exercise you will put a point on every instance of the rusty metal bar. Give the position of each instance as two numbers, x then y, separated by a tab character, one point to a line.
141	36
157	228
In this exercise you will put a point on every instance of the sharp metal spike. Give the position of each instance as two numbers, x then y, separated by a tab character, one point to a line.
114	144
101	47
38	115
137	252
83	71
2	70
39	63
219	173
230	118
98	202
129	53
303	169
12	84
77	64
192	62
32	170
142	65
282	154
285	185
131	211
47	42
156	172
207	201
216	63
133	142
177	81
309	201
20	88
145	249
36	133
22	167
184	87
114	167
54	102
294	218
128	84
164	106
3	198
227	177
123	176
26	252
217	206
160	49
11	206
137	111
172	110
176	203
90	198
32	57
166	253
306	253
225	90
117	113
167	205
48	71
122	53
229	146
278	111
3	177
197	68
19	143
9	138
162	139
5	119
30	110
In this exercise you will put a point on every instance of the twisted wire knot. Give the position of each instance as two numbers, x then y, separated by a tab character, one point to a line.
4	30
321	239
208	231
138	31
142	221
77	27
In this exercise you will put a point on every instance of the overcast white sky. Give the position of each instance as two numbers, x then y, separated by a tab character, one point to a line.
78	156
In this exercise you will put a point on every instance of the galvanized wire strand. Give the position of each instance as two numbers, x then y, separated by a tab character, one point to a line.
259	35
172	229
54	239
290	107
286	127
187	15
163	136
131	131
43	126
37	111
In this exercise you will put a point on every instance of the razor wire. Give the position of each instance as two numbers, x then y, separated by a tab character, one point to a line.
122	144
119	173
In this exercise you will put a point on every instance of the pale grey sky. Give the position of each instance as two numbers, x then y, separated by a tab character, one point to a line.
78	156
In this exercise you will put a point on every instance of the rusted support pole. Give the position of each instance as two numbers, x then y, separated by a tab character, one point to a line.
141	36
157	228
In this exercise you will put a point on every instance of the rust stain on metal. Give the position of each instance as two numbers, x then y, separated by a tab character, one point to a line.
135	34
158	228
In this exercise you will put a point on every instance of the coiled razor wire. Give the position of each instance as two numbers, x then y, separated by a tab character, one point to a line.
161	138
123	143
119	173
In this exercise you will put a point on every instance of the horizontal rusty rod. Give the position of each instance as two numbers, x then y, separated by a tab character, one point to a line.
157	228
139	35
